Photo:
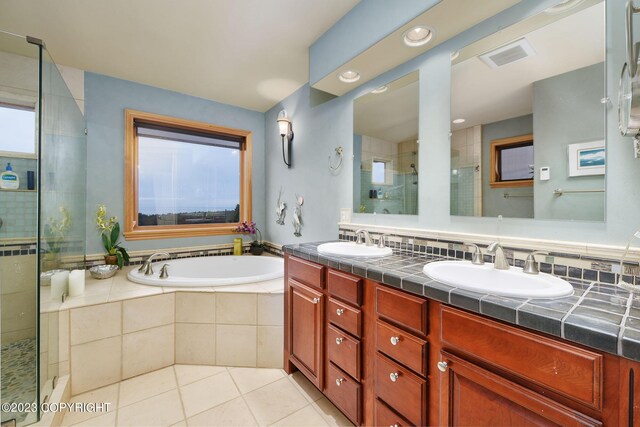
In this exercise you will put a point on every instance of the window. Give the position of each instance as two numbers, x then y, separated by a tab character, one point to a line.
512	162
381	172
18	135
184	178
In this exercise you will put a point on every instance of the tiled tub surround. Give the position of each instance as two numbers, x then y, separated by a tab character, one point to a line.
118	329
598	315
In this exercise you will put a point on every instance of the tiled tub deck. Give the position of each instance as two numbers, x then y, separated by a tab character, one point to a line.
118	329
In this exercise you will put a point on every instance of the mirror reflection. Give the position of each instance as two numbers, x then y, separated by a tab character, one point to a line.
385	146
528	119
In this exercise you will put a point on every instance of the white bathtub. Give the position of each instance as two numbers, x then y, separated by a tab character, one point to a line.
212	271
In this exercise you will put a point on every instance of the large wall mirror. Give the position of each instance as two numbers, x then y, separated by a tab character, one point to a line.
528	118
385	146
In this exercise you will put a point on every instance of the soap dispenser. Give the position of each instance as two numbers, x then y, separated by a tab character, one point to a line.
9	180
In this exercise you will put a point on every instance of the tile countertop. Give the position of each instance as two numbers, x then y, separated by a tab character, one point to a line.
601	316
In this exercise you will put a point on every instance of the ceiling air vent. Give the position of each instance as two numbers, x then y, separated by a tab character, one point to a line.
507	54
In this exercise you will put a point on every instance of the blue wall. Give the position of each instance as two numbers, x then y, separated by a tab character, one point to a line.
106	98
319	129
367	23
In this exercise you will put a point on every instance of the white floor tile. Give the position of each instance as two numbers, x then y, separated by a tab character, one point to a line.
275	401
145	386
108	394
305	387
191	373
161	410
248	379
330	413
305	417
232	413
207	393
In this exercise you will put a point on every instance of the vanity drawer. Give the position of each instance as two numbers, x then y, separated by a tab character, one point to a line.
344	316
404	391
560	367
344	392
402	347
344	351
402	309
386	416
306	272
345	287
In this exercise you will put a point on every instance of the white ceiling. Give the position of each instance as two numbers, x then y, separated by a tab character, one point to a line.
481	94
249	53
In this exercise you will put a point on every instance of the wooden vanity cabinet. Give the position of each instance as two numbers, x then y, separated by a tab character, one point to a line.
387	357
304	319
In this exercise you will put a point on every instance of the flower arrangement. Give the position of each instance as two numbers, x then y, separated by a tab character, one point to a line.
110	233
250	228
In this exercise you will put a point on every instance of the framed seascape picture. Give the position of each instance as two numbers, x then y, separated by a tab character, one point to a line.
586	158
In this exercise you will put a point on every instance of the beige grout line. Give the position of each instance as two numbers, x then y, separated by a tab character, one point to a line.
175	376
243	398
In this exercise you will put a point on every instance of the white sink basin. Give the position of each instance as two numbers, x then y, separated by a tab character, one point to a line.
486	279
351	249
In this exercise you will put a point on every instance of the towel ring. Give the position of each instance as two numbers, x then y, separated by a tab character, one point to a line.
338	151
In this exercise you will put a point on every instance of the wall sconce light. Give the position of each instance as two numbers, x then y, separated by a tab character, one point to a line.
286	131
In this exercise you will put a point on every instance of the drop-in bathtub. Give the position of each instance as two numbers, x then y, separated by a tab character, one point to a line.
212	271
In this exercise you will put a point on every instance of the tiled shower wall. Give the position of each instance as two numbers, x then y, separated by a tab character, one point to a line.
18	208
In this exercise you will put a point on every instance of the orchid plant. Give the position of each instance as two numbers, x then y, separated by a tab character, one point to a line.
110	233
250	228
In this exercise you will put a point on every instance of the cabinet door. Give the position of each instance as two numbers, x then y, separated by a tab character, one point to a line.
306	308
472	396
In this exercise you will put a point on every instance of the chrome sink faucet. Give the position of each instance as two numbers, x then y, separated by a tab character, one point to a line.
146	267
476	257
501	262
381	240
362	233
531	265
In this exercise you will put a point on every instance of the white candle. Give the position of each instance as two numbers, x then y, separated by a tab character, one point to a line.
76	283
59	282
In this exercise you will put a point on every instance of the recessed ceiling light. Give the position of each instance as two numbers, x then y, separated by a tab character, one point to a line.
380	89
349	76
454	55
563	6
458	121
417	36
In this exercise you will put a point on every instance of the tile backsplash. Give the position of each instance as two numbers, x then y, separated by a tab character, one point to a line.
568	265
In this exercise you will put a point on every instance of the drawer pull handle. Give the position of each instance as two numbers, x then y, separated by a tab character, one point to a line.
339	311
442	366
395	340
339	340
395	425
339	381
316	300
394	376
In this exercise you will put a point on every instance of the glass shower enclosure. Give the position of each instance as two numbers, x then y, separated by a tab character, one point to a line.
42	221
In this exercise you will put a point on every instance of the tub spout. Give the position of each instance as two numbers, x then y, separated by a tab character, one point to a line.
146	267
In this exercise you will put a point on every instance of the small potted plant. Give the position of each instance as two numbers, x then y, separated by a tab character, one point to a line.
257	247
110	233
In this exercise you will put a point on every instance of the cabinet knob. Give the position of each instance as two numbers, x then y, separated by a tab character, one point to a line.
442	366
339	311
395	340
339	381
394	376
339	340
395	425
316	300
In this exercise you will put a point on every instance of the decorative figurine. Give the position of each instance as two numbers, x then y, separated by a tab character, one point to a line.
297	216
281	209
